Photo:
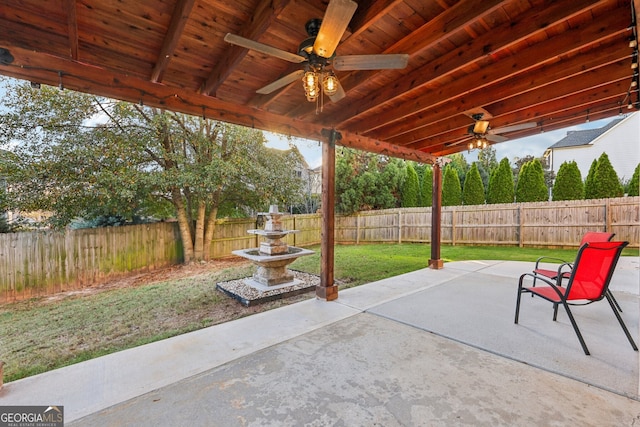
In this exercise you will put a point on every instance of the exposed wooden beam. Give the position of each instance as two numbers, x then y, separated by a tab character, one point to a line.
179	18
265	13
499	81
102	82
72	25
476	50
602	101
546	103
368	13
430	34
517	84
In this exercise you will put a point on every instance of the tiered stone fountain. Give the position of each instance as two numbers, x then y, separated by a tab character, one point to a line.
273	256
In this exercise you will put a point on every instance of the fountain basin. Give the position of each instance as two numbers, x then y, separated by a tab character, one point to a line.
272	269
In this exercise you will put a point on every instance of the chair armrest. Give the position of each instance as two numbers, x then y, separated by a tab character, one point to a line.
548	259
561	273
555	286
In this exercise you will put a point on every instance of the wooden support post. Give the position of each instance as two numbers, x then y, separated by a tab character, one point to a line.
436	214
327	290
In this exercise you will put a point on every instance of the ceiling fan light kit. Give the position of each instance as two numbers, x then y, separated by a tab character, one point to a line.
317	53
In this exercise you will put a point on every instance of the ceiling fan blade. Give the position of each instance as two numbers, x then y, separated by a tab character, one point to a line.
512	128
264	48
281	82
495	138
340	93
371	62
334	24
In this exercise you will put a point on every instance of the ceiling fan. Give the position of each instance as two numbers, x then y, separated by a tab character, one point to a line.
482	132
317	54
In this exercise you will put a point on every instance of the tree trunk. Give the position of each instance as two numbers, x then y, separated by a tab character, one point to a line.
183	225
210	227
198	248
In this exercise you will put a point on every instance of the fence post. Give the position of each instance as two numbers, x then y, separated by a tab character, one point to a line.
294	227
357	228
607	215
520	227
399	226
453	227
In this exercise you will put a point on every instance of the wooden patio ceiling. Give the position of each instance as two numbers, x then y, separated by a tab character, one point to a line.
552	63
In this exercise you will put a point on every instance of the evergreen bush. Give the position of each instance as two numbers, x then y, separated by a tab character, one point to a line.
606	182
568	184
531	186
426	189
501	184
411	188
473	193
451	189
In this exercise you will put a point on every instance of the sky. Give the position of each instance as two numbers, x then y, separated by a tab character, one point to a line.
514	148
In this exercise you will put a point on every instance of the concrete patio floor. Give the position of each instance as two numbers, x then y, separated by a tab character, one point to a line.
427	348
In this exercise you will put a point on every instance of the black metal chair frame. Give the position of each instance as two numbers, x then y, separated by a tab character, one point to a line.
562	293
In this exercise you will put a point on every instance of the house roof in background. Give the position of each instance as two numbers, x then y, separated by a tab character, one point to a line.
584	137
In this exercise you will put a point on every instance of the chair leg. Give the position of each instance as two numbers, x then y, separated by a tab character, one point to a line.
518	301
555	312
615	301
624	327
575	328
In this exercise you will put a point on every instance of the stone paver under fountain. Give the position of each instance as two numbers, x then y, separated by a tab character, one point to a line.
272	279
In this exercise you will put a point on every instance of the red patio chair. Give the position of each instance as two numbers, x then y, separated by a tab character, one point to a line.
588	282
590	236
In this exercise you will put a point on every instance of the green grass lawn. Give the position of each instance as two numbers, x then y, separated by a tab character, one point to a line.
46	333
358	264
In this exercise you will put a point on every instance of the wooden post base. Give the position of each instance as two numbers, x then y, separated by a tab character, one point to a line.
328	293
436	264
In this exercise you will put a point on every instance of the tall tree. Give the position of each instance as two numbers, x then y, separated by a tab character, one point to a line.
410	188
459	163
366	181
487	158
426	188
133	159
451	191
589	181
531	186
605	181
473	192
568	184
501	187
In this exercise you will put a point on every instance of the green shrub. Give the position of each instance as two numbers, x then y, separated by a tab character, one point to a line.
501	184
568	184
605	181
411	188
531	186
473	193
426	189
451	190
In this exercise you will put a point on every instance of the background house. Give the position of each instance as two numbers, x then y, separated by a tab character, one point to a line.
620	139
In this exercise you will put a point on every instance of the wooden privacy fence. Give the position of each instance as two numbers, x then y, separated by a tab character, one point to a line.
46	262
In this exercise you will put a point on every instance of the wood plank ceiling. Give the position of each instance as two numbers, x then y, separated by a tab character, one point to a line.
552	63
